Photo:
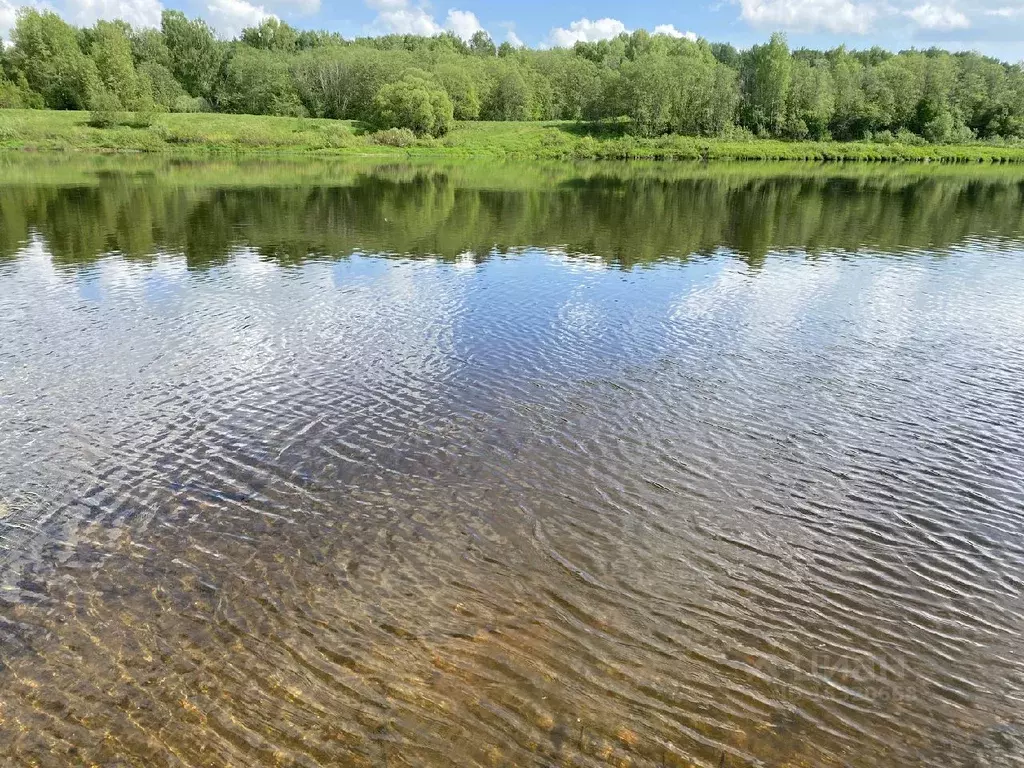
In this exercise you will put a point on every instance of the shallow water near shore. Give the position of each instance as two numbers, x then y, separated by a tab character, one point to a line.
500	465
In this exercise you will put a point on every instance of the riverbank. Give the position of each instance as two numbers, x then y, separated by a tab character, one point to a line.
204	134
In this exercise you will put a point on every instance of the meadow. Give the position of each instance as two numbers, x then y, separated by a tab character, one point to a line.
209	133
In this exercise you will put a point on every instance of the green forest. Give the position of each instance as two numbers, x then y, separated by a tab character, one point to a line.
639	84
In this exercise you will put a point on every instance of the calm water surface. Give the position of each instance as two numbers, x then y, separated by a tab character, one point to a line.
506	466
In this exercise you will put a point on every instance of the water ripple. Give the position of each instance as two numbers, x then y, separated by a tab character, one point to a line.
529	512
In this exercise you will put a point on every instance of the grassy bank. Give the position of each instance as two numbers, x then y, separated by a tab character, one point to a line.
201	134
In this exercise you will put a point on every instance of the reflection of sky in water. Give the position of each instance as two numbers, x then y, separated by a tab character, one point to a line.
154	353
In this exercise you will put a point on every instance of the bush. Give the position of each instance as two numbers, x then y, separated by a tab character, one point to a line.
415	102
190	104
961	134
104	110
394	137
909	138
17	94
144	114
142	119
184	137
795	128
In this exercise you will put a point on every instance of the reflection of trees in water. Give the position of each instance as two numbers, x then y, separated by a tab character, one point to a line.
622	219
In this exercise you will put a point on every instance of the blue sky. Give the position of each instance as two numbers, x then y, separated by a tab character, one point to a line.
995	27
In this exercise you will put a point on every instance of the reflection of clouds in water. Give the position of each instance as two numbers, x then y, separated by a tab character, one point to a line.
248	264
132	387
715	293
466	260
579	317
33	263
113	275
891	300
781	299
576	261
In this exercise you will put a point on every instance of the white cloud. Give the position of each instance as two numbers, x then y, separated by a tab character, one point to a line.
8	15
938	17
671	31
230	17
510	34
837	16
585	31
402	17
465	24
1006	13
138	13
407	21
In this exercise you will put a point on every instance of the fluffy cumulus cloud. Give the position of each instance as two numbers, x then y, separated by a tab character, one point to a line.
230	17
510	34
138	13
585	31
938	17
402	17
671	31
838	16
465	24
8	13
930	19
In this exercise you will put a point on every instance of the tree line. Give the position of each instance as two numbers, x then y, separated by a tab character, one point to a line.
639	83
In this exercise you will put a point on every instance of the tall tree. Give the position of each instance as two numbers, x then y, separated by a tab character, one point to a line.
47	55
766	74
111	51
272	34
195	55
482	45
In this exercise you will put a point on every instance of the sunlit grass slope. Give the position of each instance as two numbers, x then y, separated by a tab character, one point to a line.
219	133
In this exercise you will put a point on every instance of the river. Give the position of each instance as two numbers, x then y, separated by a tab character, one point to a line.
314	464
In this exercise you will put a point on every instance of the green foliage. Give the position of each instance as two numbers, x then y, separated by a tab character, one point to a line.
645	85
461	89
194	52
46	54
104	109
766	75
342	82
482	45
211	133
271	35
111	52
393	137
16	94
811	100
148	47
510	97
165	89
258	81
186	103
415	102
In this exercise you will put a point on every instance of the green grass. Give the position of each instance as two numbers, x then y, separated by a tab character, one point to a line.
201	134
